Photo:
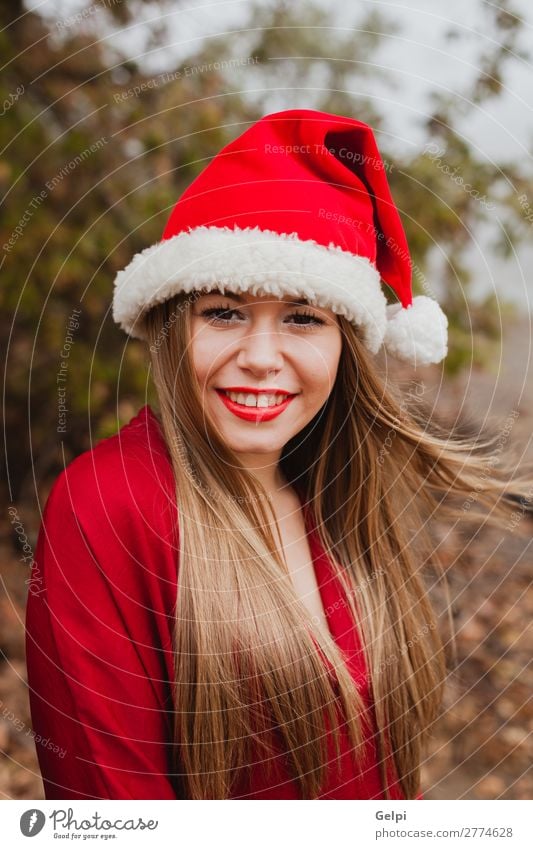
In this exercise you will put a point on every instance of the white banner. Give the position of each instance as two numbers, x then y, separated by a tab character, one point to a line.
256	824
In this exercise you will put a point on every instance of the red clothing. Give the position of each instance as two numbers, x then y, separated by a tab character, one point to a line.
99	631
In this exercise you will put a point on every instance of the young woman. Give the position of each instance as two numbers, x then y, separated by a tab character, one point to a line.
230	595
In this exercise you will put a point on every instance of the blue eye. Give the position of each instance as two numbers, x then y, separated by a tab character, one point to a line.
222	314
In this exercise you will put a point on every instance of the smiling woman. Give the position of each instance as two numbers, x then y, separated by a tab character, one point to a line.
234	599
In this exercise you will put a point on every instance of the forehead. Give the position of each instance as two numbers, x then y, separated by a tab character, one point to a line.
249	298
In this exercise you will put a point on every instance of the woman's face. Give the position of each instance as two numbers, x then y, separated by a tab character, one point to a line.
247	344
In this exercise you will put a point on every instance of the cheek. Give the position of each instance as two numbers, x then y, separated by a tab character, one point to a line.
320	364
204	352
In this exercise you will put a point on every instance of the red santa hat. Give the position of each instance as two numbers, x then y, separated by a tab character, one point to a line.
298	205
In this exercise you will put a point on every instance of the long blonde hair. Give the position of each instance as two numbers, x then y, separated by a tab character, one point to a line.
373	467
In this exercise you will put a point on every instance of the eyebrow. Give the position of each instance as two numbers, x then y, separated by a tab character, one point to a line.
300	302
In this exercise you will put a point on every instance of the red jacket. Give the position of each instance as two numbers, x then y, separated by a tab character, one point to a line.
98	631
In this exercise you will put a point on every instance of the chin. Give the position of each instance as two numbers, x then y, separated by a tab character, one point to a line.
258	447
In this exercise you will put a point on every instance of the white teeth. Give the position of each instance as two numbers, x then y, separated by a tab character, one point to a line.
252	400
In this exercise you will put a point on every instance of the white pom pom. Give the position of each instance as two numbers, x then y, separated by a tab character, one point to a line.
417	334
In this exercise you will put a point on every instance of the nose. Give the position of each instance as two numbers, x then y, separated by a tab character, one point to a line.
260	352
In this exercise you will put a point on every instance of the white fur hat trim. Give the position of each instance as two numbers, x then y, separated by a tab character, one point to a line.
265	262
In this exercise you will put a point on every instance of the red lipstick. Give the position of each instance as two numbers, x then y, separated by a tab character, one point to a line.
257	391
253	414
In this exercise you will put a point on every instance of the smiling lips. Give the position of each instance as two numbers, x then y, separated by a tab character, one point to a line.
253	404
